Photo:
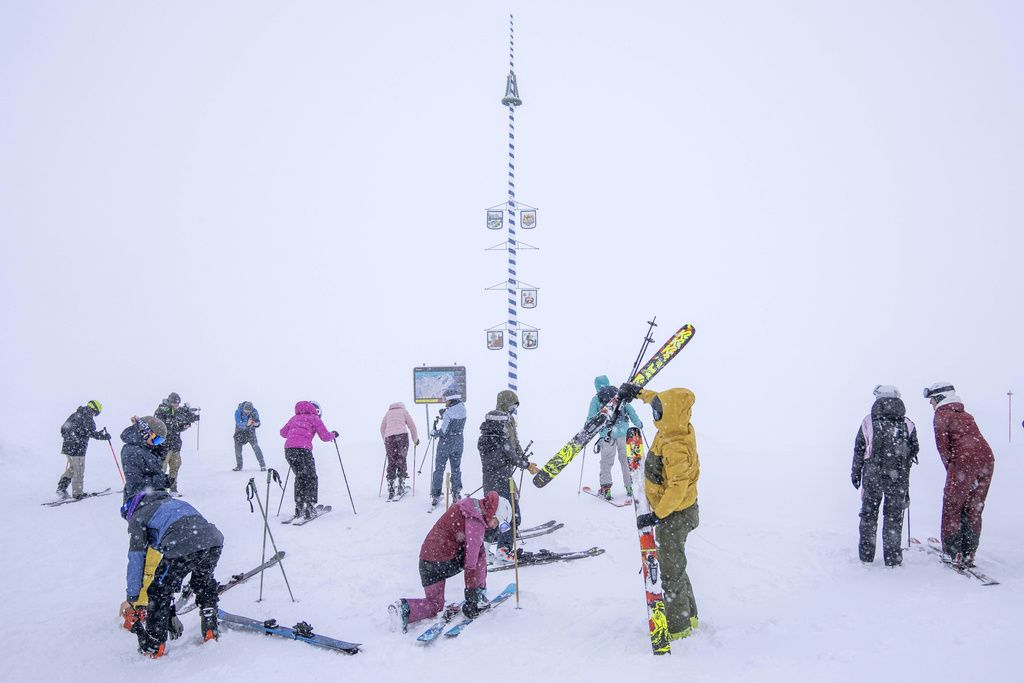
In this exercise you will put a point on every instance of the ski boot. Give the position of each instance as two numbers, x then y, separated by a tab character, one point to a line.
456	496
263	468
401	487
237	468
435	501
398	612
391	489
605	491
208	624
629	491
62	487
148	645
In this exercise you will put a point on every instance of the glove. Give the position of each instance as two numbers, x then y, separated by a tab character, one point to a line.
416	442
532	468
647	519
470	608
855	478
105	435
175	628
436	433
131	615
335	433
628	391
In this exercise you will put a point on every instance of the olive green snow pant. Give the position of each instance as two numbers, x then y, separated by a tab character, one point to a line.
171	466
671	535
73	473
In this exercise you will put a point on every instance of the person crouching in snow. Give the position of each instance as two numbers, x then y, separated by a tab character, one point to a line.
188	544
671	471
454	544
298	451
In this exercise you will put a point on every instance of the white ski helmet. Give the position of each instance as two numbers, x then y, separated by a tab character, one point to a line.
504	512
317	406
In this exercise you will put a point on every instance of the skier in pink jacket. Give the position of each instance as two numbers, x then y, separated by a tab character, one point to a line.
395	429
298	451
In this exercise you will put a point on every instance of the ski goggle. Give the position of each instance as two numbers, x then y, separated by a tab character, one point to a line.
657	408
157	439
504	527
931	393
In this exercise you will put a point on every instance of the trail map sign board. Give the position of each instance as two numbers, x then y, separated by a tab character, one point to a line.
431	384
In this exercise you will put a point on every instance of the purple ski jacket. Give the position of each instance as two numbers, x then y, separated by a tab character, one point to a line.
298	432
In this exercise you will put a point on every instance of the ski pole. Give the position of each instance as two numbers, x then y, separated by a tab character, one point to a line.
116	463
430	441
515	533
380	490
345	475
271	474
583	462
281	502
252	492
413	462
908	520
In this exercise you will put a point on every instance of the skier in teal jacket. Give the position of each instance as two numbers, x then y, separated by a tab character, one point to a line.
612	441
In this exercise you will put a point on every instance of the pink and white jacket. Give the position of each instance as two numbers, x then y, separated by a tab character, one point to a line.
396	421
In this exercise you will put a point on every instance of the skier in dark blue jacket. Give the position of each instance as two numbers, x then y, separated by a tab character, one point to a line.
189	545
141	460
247	419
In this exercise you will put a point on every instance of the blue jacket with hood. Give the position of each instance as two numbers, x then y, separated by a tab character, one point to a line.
627	415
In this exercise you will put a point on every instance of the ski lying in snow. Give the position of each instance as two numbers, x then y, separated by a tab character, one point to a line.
302	632
501	597
540	532
185	604
527	558
647	371
72	499
447	615
611	501
545	525
657	623
934	546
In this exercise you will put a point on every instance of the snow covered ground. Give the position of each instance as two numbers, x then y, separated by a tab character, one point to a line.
780	590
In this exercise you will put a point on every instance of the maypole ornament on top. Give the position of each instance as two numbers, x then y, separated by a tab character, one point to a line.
527	218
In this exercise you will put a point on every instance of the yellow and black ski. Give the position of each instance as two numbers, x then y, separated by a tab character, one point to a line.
610	410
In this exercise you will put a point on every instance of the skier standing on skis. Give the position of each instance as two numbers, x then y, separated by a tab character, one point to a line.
76	432
141	458
177	419
188	544
394	430
298	451
969	464
500	455
883	452
455	544
671	471
449	446
611	442
247	419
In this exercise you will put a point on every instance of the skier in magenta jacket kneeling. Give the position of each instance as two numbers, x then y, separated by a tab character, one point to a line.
454	544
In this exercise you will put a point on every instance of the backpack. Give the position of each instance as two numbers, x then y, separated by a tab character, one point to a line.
888	444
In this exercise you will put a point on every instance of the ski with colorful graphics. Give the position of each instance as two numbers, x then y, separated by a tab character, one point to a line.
609	410
302	632
625	502
656	620
501	597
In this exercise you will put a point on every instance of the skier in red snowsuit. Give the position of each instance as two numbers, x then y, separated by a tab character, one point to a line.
969	464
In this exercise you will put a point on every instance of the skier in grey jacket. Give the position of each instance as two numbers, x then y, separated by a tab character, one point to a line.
449	446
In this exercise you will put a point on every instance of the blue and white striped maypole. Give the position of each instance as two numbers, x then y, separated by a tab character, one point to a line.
512	100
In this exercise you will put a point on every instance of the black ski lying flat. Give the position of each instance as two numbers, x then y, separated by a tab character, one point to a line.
545	525
302	632
528	559
72	499
186	604
934	547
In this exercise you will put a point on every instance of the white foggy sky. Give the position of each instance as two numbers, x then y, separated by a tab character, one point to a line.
278	201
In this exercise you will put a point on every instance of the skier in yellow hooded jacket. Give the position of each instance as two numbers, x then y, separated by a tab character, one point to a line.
670	482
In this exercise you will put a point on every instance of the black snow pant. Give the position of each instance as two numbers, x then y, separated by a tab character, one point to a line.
306	483
880	490
167	580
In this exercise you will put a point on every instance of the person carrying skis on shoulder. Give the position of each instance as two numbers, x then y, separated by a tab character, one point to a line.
298	434
969	464
177	418
76	432
187	545
454	544
449	446
611	442
247	420
884	450
500	455
671	471
395	427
